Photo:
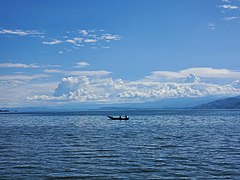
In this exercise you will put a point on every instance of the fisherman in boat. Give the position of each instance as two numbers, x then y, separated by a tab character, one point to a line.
125	117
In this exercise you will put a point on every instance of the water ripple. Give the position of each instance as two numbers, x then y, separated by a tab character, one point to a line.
151	145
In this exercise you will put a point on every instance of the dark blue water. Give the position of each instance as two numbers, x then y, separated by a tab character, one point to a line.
151	145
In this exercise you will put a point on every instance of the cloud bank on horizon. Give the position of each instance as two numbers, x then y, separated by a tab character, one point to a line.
108	90
85	86
95	87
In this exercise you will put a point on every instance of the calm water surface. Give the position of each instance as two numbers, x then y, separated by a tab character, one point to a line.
151	145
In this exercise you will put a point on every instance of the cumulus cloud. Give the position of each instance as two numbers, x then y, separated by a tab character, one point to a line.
107	90
18	65
81	64
20	32
98	87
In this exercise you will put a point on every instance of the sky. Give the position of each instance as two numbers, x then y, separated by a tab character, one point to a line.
60	52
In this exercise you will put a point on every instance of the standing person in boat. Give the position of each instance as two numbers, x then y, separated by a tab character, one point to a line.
126	116
120	117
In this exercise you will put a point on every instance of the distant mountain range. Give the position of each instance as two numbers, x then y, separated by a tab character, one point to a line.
227	103
209	102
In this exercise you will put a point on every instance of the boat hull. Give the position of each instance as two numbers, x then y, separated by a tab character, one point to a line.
114	118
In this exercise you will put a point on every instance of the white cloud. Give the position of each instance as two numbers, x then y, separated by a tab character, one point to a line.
229	6
230	18
53	65
90	40
78	73
21	77
211	72
20	32
212	25
110	37
98	87
76	41
18	65
16	93
226	1
85	37
87	73
53	42
200	72
53	71
107	90
81	64
83	32
92	86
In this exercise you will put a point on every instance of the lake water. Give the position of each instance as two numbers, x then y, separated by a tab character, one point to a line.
151	145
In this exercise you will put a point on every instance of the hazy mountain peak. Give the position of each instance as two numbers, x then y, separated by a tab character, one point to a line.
191	78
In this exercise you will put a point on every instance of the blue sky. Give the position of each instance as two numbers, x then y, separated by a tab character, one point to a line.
59	52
